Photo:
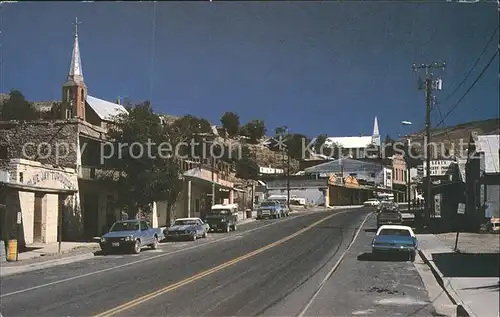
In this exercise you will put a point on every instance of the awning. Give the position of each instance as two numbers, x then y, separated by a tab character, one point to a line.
34	188
195	174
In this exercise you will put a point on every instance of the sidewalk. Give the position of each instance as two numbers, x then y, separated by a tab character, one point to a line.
471	280
46	255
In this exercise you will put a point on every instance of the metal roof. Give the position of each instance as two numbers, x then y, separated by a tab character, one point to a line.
489	145
346	165
104	109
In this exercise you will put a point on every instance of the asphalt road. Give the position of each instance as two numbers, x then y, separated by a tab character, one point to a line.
267	268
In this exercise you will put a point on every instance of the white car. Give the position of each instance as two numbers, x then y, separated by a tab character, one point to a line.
372	202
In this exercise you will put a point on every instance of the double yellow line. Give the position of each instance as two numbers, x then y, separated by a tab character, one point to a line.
198	276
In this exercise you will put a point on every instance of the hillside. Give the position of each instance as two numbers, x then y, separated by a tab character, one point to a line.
452	137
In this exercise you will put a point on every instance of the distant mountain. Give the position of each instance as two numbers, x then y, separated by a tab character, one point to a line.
455	136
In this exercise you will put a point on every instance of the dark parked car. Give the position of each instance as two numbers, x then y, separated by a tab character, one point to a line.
389	215
187	228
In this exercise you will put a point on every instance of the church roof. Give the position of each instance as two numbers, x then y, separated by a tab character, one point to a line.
350	142
105	109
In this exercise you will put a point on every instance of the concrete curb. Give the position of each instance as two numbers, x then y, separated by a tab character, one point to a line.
462	309
10	270
345	207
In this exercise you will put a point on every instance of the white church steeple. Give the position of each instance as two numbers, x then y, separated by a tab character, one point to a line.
74	90
375	134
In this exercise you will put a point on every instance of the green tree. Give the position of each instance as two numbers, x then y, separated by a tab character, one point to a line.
295	146
281	131
254	130
17	108
231	123
246	166
154	174
388	146
318	143
372	150
196	132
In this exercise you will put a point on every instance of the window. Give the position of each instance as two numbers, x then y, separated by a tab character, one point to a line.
4	152
68	114
144	226
395	232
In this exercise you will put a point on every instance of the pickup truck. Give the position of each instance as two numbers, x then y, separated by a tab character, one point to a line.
130	235
269	209
222	218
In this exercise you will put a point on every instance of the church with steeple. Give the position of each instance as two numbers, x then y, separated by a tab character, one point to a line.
75	99
355	146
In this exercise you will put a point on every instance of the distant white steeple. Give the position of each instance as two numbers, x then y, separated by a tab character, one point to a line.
376	133
75	69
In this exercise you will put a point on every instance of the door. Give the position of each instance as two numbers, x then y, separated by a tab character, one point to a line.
146	236
38	219
90	209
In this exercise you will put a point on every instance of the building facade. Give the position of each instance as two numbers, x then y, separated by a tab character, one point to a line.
482	178
399	178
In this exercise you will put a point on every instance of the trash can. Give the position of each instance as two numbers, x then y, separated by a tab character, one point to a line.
249	213
12	250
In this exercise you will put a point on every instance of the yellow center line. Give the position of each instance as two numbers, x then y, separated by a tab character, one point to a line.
198	276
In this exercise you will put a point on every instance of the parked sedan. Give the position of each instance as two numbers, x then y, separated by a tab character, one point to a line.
372	202
393	238
187	228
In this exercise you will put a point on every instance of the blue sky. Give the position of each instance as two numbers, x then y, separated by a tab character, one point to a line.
322	67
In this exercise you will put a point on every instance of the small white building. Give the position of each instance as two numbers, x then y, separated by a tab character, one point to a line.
43	195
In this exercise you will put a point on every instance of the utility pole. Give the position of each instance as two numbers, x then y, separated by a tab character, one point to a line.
408	158
213	181
288	180
430	84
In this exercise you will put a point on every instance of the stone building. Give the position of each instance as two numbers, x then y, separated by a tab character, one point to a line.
69	145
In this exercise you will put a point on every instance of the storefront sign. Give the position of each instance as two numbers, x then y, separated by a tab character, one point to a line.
50	175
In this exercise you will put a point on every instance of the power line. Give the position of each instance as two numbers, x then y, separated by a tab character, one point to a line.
473	66
468	90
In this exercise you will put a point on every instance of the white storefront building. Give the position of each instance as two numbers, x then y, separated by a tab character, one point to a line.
43	195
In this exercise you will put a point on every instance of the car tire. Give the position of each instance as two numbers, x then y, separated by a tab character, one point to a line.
193	238
227	229
235	227
137	247
205	234
154	245
412	257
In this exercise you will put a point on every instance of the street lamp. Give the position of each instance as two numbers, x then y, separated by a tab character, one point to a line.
408	183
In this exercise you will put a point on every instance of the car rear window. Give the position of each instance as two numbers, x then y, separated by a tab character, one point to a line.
184	222
268	204
394	232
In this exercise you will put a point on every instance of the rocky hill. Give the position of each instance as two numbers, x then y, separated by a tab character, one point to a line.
455	137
